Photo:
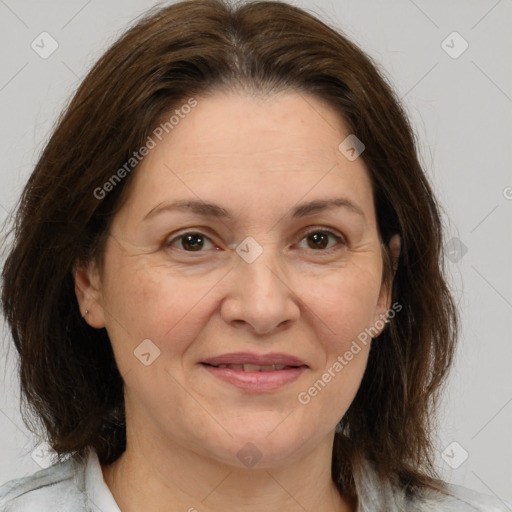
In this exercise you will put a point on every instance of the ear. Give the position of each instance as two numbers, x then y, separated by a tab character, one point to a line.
384	301
88	293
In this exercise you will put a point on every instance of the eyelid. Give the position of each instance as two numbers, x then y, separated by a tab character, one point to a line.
323	229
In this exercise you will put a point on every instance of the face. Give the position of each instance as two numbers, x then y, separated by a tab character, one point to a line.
258	280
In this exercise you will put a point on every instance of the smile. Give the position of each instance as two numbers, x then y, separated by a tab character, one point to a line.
252	378
254	367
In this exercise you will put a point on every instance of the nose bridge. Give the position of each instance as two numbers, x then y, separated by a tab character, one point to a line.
260	295
260	269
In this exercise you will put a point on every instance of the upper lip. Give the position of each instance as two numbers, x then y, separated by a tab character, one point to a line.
257	359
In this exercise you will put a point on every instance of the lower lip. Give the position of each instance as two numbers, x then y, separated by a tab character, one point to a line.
256	382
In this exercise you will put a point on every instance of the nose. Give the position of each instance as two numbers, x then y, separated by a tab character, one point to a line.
259	297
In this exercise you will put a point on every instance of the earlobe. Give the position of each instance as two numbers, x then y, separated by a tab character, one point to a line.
88	293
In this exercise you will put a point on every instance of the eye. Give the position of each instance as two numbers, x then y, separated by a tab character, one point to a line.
190	242
194	241
318	239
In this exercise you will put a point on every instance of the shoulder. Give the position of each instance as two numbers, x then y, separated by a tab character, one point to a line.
377	493
58	488
458	498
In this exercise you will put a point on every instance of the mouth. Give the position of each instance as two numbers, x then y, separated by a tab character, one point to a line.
254	367
255	373
248	361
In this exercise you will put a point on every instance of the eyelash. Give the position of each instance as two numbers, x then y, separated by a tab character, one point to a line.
338	238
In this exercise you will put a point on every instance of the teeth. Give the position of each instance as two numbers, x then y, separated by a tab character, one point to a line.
254	367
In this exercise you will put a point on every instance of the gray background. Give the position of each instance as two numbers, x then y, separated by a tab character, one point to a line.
461	109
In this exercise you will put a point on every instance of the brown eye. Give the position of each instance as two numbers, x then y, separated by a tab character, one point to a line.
189	242
319	240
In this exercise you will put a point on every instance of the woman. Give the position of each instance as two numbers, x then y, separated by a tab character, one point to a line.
237	259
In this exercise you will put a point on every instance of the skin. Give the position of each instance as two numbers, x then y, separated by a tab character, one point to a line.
257	157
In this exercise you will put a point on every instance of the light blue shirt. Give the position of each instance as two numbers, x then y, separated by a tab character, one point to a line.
73	486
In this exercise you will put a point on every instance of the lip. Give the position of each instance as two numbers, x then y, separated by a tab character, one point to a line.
251	358
257	381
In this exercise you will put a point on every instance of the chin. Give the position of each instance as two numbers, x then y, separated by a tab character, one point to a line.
255	448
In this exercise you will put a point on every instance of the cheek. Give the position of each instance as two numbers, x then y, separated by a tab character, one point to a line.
156	302
171	307
344	307
346	303
343	310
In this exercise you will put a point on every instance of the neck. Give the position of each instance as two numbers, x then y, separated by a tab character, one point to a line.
146	478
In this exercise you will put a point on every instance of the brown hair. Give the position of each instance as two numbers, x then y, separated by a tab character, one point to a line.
68	373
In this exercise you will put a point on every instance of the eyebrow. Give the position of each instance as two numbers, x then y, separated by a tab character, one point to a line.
218	212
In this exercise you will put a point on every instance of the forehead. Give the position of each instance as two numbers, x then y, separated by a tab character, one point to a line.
234	126
249	150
